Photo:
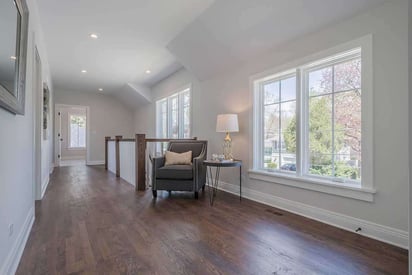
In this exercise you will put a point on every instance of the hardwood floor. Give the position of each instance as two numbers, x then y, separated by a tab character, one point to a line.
90	222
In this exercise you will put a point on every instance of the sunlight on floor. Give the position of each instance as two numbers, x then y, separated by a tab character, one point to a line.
73	162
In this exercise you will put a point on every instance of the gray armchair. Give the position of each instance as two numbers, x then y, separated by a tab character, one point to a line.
181	177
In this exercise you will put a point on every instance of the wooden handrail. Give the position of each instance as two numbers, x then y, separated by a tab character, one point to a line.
167	139
118	138
140	159
127	140
106	142
140	155
141	145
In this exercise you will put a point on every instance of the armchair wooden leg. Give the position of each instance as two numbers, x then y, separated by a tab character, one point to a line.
196	195
203	188
154	193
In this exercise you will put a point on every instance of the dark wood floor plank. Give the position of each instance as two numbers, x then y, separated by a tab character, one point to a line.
91	222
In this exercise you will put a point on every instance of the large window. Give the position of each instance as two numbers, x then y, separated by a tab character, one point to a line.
77	131
173	116
308	120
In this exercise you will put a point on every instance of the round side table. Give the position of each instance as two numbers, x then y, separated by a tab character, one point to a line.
213	180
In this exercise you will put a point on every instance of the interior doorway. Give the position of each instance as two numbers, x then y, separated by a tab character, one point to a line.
71	135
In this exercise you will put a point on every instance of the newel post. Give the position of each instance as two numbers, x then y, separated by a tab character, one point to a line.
140	162
118	138
106	146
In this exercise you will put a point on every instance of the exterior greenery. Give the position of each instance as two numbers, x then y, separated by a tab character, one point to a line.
320	140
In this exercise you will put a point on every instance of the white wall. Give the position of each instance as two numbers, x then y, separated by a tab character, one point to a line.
108	117
230	93
16	159
145	116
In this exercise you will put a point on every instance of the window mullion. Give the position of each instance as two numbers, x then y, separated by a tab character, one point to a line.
180	112
299	121
169	118
280	125
261	126
333	121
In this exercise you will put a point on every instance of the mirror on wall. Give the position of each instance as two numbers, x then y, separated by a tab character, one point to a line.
13	53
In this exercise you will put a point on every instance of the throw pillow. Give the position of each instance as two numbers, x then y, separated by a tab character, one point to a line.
172	158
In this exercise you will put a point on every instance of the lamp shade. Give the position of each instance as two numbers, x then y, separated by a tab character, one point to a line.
227	123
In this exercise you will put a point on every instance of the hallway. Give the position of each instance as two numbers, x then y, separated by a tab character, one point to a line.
91	222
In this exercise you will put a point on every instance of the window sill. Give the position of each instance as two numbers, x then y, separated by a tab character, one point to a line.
324	186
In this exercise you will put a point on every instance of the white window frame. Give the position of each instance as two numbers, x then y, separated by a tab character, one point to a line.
363	190
180	96
69	147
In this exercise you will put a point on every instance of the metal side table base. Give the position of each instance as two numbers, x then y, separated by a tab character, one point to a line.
213	183
213	180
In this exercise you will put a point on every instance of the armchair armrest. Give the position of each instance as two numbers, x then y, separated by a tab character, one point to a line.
199	171
158	162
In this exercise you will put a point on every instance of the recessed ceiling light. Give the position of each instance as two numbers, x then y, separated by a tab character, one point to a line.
148	71
84	71
100	89
94	36
13	57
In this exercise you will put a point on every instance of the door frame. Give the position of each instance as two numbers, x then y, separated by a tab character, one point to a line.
57	130
37	124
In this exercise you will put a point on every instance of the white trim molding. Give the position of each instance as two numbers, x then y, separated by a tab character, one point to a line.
319	185
15	253
95	162
372	230
44	185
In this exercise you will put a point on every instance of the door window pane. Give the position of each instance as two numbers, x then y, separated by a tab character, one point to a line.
77	131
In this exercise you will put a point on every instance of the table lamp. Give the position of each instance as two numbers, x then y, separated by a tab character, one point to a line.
227	123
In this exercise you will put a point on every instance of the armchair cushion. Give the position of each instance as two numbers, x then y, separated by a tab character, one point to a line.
180	172
173	158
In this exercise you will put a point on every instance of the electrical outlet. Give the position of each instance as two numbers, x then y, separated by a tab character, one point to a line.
11	228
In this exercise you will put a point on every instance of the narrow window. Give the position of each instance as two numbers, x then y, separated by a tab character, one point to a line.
77	130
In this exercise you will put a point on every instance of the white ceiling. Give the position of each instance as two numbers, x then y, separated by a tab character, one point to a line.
205	36
234	31
133	35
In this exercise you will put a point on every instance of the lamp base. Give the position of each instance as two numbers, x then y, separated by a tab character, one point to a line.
227	149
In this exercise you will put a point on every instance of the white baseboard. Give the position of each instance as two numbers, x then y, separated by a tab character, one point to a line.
95	162
51	169
372	230
16	251
44	185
